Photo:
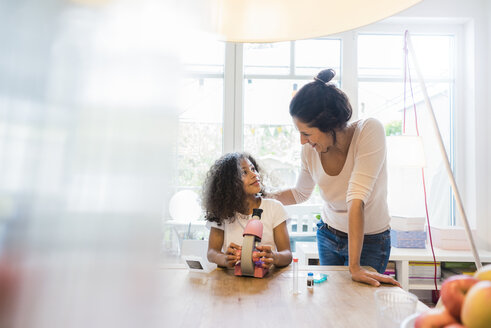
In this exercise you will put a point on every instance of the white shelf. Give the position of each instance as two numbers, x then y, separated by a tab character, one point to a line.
427	286
441	255
307	253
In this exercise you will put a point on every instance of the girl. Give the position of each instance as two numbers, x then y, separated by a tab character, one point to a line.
230	193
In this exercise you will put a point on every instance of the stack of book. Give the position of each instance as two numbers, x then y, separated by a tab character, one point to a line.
408	232
456	268
421	272
391	269
451	237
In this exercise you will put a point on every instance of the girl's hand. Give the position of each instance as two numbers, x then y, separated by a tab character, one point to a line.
232	255
266	255
371	277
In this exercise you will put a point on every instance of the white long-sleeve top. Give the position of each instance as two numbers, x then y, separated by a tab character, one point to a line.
364	177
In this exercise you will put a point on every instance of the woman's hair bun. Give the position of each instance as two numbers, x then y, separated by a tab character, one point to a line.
326	75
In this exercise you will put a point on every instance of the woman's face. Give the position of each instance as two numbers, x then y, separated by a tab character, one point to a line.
250	177
319	140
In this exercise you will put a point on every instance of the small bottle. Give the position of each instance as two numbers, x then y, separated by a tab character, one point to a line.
256	213
295	276
310	281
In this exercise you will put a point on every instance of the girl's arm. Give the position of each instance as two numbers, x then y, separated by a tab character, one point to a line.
215	253
283	254
355	244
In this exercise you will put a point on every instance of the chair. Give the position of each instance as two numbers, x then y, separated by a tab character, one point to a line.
302	223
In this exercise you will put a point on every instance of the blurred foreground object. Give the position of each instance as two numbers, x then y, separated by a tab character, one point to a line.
87	119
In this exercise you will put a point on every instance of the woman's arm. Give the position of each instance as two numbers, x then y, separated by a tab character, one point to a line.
284	196
303	188
283	254
215	253
355	245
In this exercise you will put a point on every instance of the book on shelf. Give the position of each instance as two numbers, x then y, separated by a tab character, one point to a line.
455	268
451	237
424	269
390	270
405	223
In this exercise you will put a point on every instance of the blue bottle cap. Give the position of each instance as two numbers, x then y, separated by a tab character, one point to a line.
310	274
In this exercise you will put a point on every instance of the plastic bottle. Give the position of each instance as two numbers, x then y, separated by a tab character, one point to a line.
295	276
310	281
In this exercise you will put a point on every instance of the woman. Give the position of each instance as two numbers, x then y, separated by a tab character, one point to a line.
347	162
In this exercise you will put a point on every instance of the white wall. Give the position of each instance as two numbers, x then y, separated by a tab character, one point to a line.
473	145
486	223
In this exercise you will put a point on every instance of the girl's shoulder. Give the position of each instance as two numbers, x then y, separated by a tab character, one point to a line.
269	204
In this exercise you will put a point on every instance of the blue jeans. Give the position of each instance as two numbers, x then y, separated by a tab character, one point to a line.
333	249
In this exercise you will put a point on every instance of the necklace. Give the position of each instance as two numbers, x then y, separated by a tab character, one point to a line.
240	217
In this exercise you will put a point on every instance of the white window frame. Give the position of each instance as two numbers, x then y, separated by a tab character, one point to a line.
234	76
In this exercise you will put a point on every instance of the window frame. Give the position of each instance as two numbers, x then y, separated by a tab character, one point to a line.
233	121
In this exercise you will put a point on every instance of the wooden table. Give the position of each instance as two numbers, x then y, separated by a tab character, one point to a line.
220	299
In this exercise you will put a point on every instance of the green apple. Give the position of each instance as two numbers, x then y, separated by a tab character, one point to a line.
483	273
476	311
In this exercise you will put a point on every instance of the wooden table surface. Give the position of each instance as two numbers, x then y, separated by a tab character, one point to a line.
220	299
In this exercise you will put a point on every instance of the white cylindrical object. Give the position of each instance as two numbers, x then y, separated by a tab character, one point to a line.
295	276
446	161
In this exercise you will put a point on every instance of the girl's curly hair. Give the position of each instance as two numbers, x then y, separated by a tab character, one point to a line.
223	190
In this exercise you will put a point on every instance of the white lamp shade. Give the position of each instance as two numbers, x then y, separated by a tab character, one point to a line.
283	20
184	206
405	151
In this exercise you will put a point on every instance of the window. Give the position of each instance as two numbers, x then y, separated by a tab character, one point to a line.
200	130
272	74
237	98
381	95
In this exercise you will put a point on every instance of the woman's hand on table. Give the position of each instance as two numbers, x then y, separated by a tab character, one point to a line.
371	277
232	255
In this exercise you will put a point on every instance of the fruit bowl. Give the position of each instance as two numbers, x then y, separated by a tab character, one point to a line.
409	321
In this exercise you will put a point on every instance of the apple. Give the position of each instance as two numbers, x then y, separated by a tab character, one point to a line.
476	312
434	318
483	273
453	293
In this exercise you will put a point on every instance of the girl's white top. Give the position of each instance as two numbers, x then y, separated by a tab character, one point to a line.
273	214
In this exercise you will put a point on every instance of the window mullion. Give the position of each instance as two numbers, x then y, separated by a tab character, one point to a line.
229	99
239	98
349	64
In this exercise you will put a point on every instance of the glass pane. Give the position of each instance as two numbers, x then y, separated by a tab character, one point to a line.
267	58
380	55
204	56
434	55
199	130
385	101
383	55
312	56
268	127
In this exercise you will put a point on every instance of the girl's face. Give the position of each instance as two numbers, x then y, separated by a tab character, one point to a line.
319	140
250	177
